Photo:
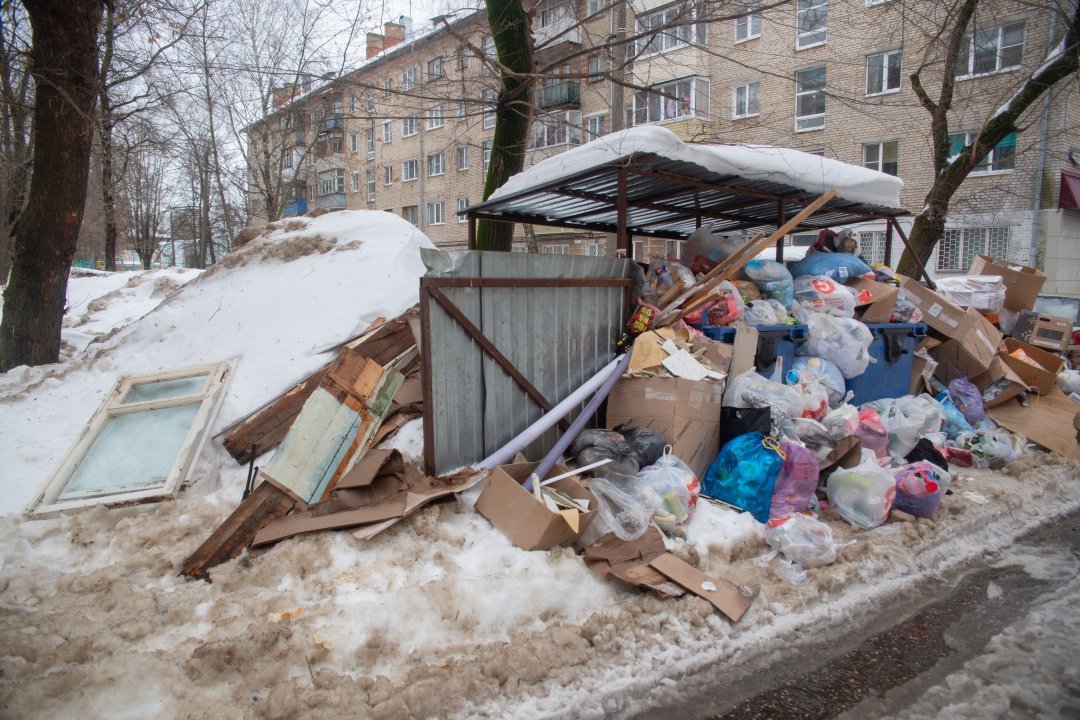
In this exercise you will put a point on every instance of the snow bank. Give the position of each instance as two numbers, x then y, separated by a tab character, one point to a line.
798	169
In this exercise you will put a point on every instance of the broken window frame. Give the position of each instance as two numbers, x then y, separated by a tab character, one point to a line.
209	400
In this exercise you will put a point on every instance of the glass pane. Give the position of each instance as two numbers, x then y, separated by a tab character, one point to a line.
986	51
871	156
874	71
133	451
164	389
753	105
893	80
890	157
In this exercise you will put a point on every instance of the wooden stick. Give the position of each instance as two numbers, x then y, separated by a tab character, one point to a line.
672	292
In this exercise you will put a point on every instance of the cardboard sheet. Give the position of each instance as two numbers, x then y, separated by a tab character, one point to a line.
875	301
724	595
1048	422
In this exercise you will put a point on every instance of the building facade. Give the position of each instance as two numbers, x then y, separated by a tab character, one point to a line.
409	131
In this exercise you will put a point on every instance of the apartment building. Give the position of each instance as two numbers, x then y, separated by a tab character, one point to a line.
409	131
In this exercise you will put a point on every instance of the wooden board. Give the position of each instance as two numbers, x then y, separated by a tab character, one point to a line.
265	504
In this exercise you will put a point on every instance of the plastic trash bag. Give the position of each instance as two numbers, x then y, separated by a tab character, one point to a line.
646	443
988	448
927	450
838	266
843	422
625	503
968	400
748	290
808	432
677	487
723	311
955	422
862	495
663	274
760	313
822	294
593	445
906	419
773	280
803	540
744	474
905	311
843	341
872	432
1069	381
826	372
919	488
797	481
814	395
753	390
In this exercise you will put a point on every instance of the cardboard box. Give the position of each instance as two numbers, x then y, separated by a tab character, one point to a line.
920	376
686	412
526	521
944	316
970	352
874	301
1022	284
1041	378
1052	332
999	371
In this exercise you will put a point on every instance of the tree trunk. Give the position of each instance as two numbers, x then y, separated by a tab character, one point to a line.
108	188
513	44
65	68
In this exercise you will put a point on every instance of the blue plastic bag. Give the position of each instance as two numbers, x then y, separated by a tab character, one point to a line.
837	266
772	279
825	372
744	474
955	422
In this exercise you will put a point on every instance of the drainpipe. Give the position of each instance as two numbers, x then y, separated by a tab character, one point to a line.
1040	158
421	170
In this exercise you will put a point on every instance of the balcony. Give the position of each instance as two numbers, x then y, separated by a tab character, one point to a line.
565	93
333	201
563	30
332	122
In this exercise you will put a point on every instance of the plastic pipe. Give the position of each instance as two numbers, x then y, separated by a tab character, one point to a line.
579	422
545	423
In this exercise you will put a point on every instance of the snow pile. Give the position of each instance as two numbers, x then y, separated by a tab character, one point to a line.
812	173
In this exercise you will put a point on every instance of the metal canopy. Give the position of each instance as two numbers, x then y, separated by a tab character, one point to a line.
649	195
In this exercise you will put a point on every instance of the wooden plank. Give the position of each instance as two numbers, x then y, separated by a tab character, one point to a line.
265	504
672	292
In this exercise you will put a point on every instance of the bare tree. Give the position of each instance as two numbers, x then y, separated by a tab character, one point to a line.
16	123
144	192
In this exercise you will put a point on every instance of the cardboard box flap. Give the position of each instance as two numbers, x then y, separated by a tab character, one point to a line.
305	522
1048	422
876	299
521	517
1042	378
374	463
940	314
1022	283
724	595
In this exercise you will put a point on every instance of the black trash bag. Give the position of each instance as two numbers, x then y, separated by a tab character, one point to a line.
925	450
648	444
593	445
739	421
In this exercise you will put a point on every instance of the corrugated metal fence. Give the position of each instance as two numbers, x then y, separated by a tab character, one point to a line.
554	319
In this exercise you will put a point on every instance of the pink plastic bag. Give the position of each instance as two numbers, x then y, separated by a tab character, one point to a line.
872	432
797	480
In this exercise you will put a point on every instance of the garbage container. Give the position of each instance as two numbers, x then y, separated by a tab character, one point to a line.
893	350
773	341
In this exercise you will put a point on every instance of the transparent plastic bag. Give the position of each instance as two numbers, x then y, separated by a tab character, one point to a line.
773	280
625	503
955	422
663	274
808	432
797	481
872	432
751	390
843	341
760	313
862	495
919	488
825	371
842	422
744	474
815	396
905	311
988	448
803	540
724	311
905	419
677	487
593	445
968	400
1069	381
821	294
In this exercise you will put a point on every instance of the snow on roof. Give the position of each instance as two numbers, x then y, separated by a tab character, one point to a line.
811	173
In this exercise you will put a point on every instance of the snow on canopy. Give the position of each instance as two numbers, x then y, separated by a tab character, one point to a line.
801	170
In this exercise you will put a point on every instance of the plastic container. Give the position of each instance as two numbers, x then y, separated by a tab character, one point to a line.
773	341
893	350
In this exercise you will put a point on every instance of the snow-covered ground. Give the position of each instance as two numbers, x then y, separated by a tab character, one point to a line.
439	616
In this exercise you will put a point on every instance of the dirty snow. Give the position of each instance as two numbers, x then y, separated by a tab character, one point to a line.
439	616
795	168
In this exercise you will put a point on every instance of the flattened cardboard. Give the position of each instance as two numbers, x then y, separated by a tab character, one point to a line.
304	522
724	595
744	355
874	301
1041	378
521	517
628	561
1000	370
376	462
846	454
414	500
940	314
920	379
1022	283
1048	422
1052	332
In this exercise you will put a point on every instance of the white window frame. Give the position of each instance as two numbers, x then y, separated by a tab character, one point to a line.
555	249
667	106
435	117
486	148
595	126
594	6
410	170
808	38
872	246
355	178
354	142
388	174
813	121
741	108
463	157
462	203
370	178
371	144
436	213
331	182
413	210
47	501
597	67
489	109
678	248
637	248
462	110
555	129
387	131
677	36
435	68
884	73
594	249
408	79
879	164
408	126
968	52
748	26
436	164
986	167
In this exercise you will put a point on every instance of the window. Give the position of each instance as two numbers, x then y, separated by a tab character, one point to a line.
881	156
462	203
746	100
557	128
489	109
369	101
1001	158
959	246
356	182
594	249
872	247
462	110
435	164
387	131
435	212
157	424
463	157
435	117
411	214
387	86
553	15
637	250
408	126
668	101
462	57
354	104
371	144
748	26
669	28
335	145
489	55
370	186
596	125
287	158
408	79
434	69
812	21
312	192
810	99
555	249
883	73
594	6
410	170
596	68
673	248
354	142
311	158
992	50
331	182
387	174
486	147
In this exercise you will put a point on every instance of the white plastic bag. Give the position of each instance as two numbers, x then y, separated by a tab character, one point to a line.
989	448
842	422
1069	381
802	539
760	313
843	341
751	390
626	504
822	294
824	371
904	420
864	494
677	488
